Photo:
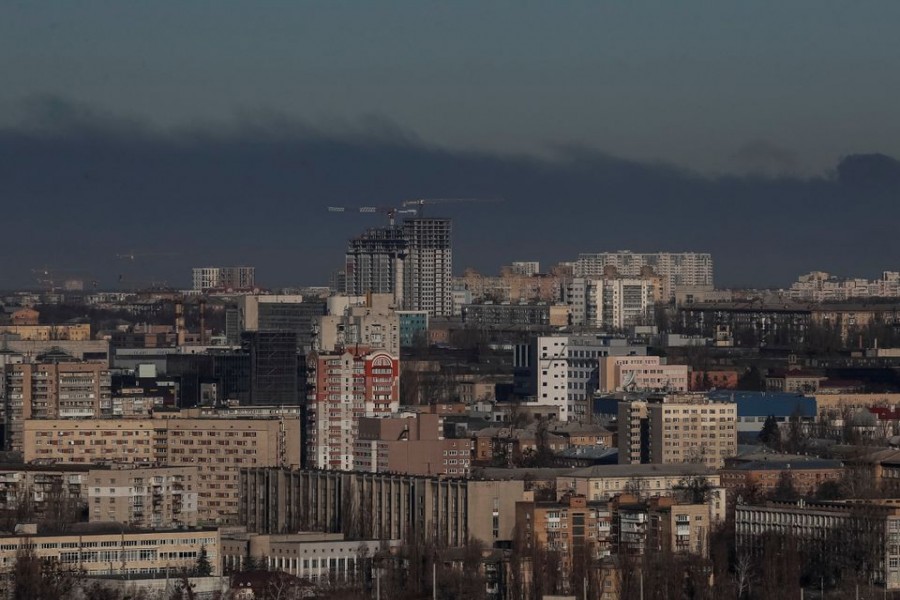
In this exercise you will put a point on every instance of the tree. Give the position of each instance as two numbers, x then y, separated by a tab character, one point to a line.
751	380
771	433
784	490
37	579
203	568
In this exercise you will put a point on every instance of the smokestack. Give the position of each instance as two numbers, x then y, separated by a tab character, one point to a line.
179	322
202	321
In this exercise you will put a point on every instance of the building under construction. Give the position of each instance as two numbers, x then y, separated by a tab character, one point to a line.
413	262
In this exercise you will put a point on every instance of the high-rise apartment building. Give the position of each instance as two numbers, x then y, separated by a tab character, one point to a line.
612	303
343	387
225	278
368	321
54	390
413	262
676	429
429	266
675	268
375	263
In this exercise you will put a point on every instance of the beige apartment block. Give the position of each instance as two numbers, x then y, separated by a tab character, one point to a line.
218	446
43	333
147	497
677	429
54	391
118	551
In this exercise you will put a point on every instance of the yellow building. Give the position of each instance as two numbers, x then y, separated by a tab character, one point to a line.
118	551
43	333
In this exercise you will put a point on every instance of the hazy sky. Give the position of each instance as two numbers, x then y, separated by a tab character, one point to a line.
769	86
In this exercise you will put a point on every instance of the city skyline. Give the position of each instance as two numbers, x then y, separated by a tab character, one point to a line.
180	196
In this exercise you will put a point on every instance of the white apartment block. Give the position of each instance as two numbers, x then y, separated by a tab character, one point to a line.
819	286
563	371
610	303
675	268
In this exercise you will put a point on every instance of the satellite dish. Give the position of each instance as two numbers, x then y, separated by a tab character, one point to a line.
629	379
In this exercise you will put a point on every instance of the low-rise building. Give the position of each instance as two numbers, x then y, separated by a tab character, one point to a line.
316	557
114	550
805	474
603	482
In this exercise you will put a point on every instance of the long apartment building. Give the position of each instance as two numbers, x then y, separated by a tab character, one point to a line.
54	390
675	268
379	505
118	551
677	429
563	370
344	387
218	446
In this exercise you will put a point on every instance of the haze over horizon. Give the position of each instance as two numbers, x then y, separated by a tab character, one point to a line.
762	133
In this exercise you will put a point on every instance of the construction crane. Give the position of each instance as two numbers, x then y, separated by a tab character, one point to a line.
420	203
390	211
55	279
131	256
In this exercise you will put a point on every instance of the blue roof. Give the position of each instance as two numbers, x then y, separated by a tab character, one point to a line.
763	404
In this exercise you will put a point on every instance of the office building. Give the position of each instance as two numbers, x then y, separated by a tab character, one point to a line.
343	387
832	531
563	371
675	269
223	278
275	367
276	313
676	429
315	557
641	373
443	510
413	327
